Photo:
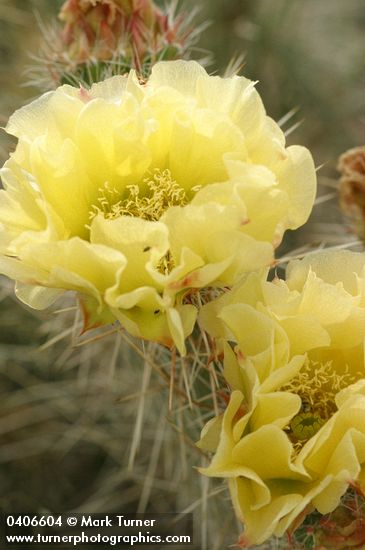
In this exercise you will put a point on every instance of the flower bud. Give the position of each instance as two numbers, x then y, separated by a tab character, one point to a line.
137	30
352	188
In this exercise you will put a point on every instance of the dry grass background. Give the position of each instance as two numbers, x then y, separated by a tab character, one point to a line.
88	427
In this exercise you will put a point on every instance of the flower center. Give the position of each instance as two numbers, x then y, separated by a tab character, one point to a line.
305	425
317	385
160	192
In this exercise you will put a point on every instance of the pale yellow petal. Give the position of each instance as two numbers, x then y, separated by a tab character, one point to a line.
181	75
276	409
37	297
297	177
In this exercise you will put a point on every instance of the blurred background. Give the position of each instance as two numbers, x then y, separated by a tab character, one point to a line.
71	434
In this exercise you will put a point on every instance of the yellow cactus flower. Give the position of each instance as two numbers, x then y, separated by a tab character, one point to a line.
292	438
134	193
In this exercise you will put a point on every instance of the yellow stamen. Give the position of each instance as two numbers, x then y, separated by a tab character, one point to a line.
162	193
317	385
